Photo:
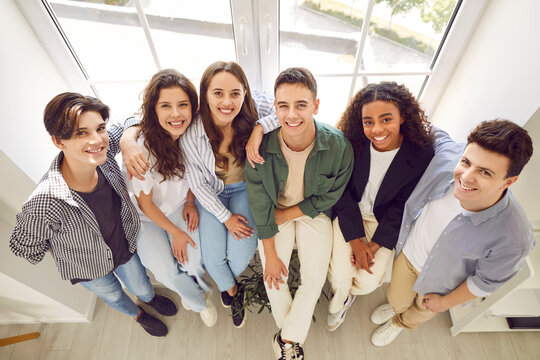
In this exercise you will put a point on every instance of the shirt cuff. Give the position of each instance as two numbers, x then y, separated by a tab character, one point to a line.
266	231
268	123
307	208
475	290
224	215
131	121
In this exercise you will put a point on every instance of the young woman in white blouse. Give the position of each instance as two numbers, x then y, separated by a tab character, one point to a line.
168	242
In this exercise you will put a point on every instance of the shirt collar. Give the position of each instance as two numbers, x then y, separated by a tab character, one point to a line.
57	185
479	217
321	140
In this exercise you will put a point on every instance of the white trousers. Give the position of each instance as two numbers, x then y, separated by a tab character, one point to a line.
314	243
347	279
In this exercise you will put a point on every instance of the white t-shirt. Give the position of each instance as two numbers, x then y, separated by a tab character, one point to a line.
427	228
167	195
379	163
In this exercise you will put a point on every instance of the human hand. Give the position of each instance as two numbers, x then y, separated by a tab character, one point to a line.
435	303
252	146
237	226
179	246
362	256
274	268
191	215
136	162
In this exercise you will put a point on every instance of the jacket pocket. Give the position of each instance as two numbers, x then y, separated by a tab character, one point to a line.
324	184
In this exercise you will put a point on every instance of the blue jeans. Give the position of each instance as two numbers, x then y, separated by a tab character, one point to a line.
154	249
133	275
225	257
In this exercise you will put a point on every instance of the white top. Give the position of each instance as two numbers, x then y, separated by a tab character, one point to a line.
379	163
425	231
168	195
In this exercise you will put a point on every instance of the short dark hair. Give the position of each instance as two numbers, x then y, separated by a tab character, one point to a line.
297	75
62	113
506	138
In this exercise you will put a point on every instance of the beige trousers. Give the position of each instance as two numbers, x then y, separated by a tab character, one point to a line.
314	244
347	279
410	313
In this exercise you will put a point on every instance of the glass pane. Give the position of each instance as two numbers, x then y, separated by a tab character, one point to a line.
333	93
107	39
188	36
404	35
412	82
321	43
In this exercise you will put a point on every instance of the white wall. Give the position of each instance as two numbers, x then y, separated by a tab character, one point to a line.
498	74
29	81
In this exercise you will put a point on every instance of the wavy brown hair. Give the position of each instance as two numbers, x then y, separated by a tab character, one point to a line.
242	124
415	127
167	152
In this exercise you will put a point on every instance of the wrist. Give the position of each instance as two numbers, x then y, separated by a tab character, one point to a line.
190	202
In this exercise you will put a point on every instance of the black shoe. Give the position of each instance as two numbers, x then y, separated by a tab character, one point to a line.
226	299
237	307
285	351
152	325
163	305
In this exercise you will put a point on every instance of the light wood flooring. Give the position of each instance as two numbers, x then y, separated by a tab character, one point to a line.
112	335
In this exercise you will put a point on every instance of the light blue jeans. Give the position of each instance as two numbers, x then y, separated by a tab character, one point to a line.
133	275
225	257
154	249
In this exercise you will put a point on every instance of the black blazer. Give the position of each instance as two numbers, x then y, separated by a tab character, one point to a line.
398	183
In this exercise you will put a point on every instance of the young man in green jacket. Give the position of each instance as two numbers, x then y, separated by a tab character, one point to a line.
307	166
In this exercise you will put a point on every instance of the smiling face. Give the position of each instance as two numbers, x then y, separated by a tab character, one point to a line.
381	121
480	178
295	107
173	110
225	98
88	143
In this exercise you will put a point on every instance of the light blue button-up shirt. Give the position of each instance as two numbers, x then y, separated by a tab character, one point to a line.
485	249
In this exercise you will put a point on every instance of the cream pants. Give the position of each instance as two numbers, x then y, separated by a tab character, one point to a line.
314	244
347	279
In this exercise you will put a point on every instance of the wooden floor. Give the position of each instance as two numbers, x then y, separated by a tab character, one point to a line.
112	335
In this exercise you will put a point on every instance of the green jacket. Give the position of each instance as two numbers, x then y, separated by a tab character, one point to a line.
328	169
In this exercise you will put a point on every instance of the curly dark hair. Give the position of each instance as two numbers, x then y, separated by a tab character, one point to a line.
167	152
242	124
415	127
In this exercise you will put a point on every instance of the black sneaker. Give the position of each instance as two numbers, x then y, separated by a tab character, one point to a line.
237	307
286	351
226	299
163	305
152	325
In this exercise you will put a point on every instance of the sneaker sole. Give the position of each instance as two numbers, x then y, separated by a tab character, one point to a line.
222	303
243	322
334	328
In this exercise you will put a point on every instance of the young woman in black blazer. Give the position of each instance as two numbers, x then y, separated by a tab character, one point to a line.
393	145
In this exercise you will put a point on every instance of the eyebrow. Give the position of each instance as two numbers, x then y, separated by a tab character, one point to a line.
296	102
479	167
214	89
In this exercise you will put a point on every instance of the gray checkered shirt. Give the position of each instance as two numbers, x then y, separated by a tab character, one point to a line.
56	218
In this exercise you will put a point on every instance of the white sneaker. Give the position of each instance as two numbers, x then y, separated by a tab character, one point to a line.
382	314
334	321
385	334
209	315
185	305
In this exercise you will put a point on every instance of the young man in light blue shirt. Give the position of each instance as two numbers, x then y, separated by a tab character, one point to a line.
463	234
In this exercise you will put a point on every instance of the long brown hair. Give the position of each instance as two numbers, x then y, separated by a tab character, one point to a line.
167	152
242	124
416	127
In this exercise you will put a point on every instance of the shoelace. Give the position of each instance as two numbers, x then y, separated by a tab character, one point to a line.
388	329
290	352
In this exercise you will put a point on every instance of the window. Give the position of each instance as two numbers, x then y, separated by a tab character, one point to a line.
117	44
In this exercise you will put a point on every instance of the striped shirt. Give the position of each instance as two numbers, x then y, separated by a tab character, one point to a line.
200	160
56	218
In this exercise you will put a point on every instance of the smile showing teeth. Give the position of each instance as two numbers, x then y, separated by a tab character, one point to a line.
225	111
294	124
176	123
94	151
380	138
465	187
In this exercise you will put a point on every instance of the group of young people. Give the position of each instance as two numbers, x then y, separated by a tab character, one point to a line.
208	176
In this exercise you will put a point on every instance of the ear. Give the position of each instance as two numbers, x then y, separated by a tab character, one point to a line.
58	143
401	120
509	181
316	108
275	105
